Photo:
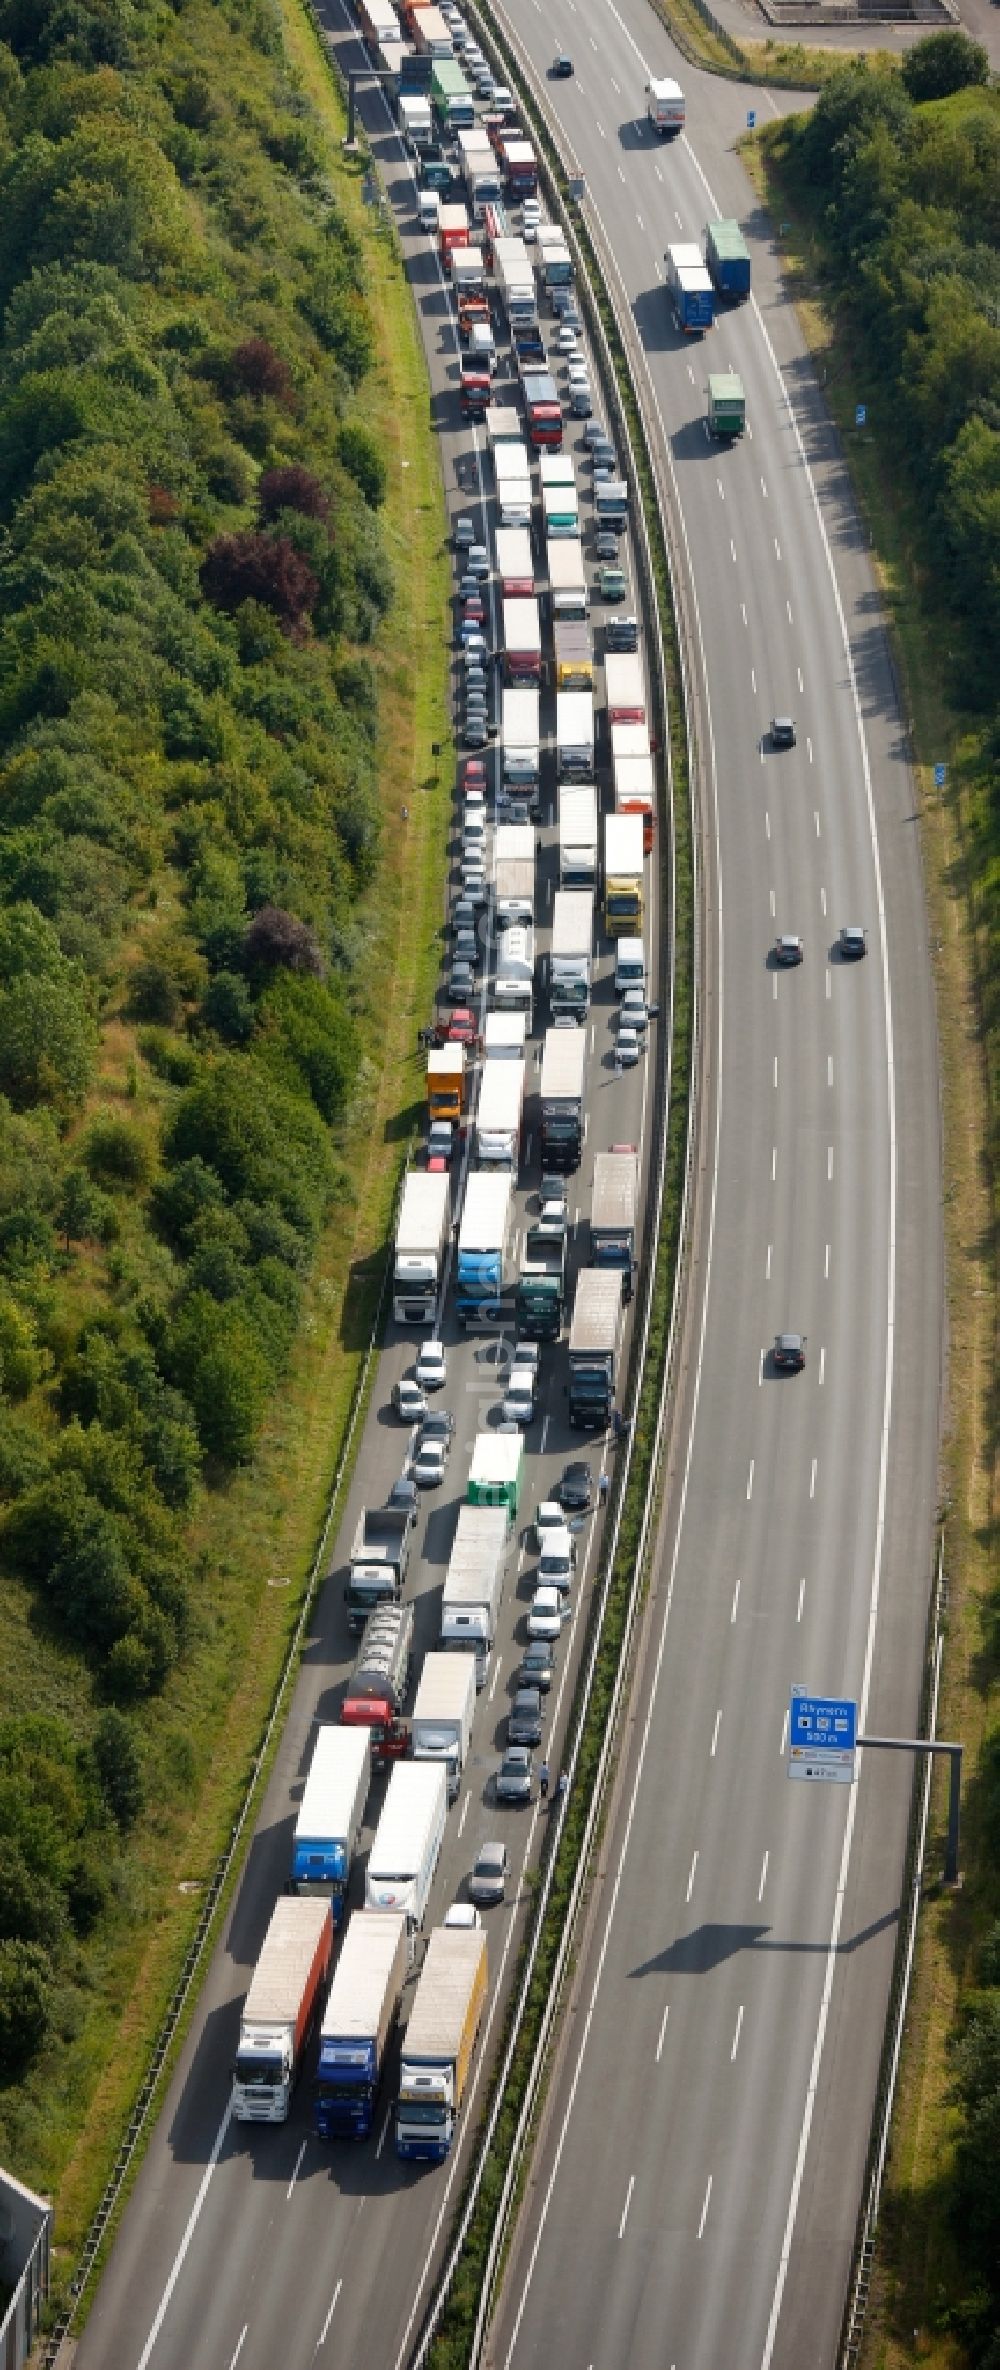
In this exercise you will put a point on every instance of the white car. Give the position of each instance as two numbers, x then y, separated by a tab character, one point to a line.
577	375
626	1054
633	1011
545	1618
408	1401
567	341
427	1469
549	1517
519	1397
462	1913
431	1369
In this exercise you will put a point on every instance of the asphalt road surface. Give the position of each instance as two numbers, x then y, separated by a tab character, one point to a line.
260	2245
695	2192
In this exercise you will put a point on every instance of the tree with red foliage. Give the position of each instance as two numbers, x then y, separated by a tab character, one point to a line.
292	488
279	941
255	369
264	568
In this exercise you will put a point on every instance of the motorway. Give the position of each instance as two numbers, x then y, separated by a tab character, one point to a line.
694	2194
260	2244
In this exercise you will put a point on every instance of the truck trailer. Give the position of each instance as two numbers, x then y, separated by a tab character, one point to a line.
515	566
483	1240
439	2042
567	578
624	687
441	1726
498	1116
357	2023
624	895
473	1583
571	954
379	1683
520	741
522	641
513	983
286	1989
727	257
577	836
574	736
564	1066
593	1348
614	1212
495	1472
542	409
690	289
504	1037
422	1231
573	654
407	1840
379	1558
330	1815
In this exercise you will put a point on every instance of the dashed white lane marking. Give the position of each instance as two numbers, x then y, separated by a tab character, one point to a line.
736	1599
694	1864
802	1592
715	1734
763	1877
736	2036
240	2343
812	1479
663	2031
750	1482
333	2306
295	2172
704	2210
628	2201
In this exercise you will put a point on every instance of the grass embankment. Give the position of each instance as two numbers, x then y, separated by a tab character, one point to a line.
918	2312
788	65
251	1536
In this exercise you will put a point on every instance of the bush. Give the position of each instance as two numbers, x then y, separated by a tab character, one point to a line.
291	488
263	568
364	460
944	62
119	1767
279	941
48	1041
116	1154
255	369
24	2004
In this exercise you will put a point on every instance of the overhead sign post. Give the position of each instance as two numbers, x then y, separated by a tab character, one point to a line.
822	1738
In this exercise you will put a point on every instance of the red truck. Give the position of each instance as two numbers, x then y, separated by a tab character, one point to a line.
286	1989
476	392
542	410
376	1690
453	228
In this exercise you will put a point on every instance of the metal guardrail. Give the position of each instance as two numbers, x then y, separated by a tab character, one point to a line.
216	1886
859	2286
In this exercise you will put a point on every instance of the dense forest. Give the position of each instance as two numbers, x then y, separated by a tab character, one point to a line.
191	576
900	173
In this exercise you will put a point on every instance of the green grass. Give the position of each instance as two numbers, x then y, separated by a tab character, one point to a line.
202	1740
788	65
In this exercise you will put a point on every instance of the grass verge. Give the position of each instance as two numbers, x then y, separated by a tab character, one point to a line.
916	2268
263	1529
788	65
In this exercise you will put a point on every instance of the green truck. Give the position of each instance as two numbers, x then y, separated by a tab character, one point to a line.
540	1293
495	1472
727	404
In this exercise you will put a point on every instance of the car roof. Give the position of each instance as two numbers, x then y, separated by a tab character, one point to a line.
491	1855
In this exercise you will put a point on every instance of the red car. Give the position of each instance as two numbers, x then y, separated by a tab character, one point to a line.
474	775
462	1028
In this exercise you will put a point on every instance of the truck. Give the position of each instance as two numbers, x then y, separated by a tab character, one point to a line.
473	1583
574	736
727	257
441	1726
475	389
447	1082
556	261
422	1231
407	1840
357	2023
415	119
542	409
522	641
624	687
439	2042
513	898
515	566
614	1211
483	1241
330	1814
519	738
379	1683
379	1558
504	1037
689	289
512	986
499	1111
560	513
632	776
567	579
514	273
286	1989
665	106
430	33
468	272
378	21
578	836
451	97
593	1348
564	1063
624	898
727	404
453	231
480	171
505	426
520	165
571	954
495	1472
512	475
540	1291
573	654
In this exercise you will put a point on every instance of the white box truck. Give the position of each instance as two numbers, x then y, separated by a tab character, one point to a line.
504	1037
665	106
578	836
421	1235
520	741
286	1988
515	565
439	2041
441	1725
498	1116
483	1244
473	1583
407	1841
571	954
567	578
513	984
574	736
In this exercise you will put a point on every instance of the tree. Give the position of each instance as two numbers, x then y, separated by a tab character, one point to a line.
945	62
364	460
227	1007
24	2003
291	488
264	568
119	1767
256	369
48	1040
279	941
80	1209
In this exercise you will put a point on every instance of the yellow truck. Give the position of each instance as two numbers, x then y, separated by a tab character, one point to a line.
574	656
447	1082
439	2042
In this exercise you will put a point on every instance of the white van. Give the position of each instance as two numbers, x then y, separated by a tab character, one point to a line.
630	965
428	208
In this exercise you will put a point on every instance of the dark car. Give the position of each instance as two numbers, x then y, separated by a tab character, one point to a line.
438	1424
595	432
441	1143
852	943
487	1880
789	1352
524	1720
536	1668
404	1493
605	545
788	950
782	732
562	66
621	633
475	732
461	983
467	948
576	1489
513	1782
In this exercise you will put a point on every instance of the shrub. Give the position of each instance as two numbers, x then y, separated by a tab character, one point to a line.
291	488
945	62
262	568
119	1767
24	2004
365	462
255	369
116	1154
279	941
227	1007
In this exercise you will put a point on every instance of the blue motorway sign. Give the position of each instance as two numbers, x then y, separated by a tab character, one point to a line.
822	1737
860	415
751	118
940	776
